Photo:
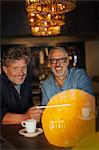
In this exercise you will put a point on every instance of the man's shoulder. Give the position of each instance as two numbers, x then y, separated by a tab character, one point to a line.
48	80
76	70
3	83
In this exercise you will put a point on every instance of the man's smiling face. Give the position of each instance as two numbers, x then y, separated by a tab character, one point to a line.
16	71
59	63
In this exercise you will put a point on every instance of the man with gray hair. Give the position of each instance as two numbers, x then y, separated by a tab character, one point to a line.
62	77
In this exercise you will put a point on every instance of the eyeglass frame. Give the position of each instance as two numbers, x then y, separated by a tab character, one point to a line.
60	60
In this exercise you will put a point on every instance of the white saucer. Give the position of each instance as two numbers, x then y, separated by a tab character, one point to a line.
87	118
36	133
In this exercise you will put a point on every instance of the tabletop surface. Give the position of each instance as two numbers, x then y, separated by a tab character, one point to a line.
11	139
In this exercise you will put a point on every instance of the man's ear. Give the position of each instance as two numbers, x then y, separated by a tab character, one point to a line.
68	61
49	66
4	69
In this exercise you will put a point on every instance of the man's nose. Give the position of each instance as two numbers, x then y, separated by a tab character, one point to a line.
58	62
21	71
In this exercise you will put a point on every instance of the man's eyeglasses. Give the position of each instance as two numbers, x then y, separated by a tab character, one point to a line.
60	60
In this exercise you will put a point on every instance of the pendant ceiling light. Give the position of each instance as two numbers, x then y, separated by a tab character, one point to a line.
47	16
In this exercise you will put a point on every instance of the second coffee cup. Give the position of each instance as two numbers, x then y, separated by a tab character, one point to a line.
85	112
30	125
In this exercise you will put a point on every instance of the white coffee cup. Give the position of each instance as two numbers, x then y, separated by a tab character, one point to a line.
30	125
85	112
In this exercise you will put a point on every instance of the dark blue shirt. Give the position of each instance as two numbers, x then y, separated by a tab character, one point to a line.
10	99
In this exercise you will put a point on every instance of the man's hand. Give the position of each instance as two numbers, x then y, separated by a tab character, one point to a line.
34	113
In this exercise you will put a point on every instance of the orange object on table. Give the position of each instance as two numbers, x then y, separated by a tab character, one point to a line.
66	126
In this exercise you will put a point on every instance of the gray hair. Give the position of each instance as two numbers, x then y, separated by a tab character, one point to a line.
57	48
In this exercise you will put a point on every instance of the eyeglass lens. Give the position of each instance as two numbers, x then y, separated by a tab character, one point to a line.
60	60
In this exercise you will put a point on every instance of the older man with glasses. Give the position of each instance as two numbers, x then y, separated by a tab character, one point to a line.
62	77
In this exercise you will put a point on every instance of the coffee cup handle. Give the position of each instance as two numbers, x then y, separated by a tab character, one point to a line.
23	123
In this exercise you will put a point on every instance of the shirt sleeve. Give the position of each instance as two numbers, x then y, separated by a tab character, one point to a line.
84	82
44	96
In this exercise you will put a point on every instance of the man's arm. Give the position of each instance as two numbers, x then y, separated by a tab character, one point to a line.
12	118
84	81
44	97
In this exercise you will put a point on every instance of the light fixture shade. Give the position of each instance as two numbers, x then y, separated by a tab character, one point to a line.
45	25
66	126
50	6
47	16
45	20
40	31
